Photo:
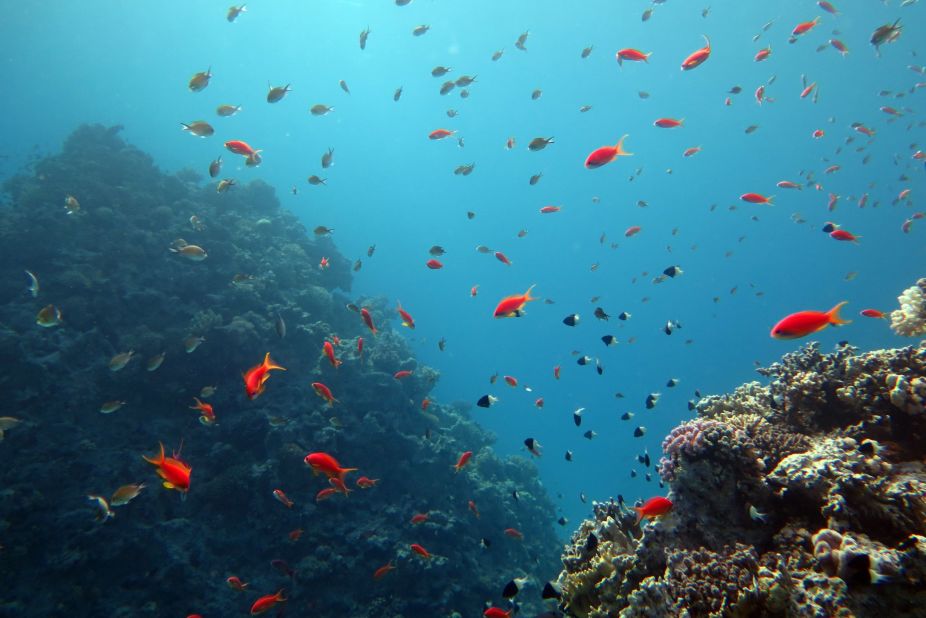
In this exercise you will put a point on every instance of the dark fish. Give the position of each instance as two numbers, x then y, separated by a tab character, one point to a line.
280	326
568	455
640	458
692	405
442	344
551	591
562	521
697	393
591	543
397	94
439	71
609	340
584	360
600	314
539	143
370	250
514	494
437	251
672	382
485	401
353	307
447	87
358	265
626	416
535	178
470	215
651	400
510	590
589	434
624	316
582	497
735	90
639	432
598	367
571	320
577	417
587	51
533	446
485	543
633	474
648	477
672	271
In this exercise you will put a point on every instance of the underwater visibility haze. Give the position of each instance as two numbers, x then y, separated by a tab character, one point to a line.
446	308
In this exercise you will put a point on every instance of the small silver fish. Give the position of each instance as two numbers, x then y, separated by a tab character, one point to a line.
33	283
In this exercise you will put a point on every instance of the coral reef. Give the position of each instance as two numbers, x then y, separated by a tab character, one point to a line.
804	497
910	319
109	269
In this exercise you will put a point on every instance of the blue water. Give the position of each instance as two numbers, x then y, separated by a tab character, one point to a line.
128	63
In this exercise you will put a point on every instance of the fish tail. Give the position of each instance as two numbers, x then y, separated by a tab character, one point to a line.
834	317
527	294
619	148
160	459
269	364
769	199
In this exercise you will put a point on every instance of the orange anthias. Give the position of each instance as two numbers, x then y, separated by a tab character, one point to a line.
407	320
328	351
323	463
696	58
804	323
513	306
267	602
464	459
257	376
175	473
654	507
606	154
324	392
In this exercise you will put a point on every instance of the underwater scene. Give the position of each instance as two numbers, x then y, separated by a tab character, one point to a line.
463	308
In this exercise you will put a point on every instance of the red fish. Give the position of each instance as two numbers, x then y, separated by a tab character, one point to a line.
360	347
366	483
323	463
257	376
328	350
805	26
539	402
399	375
407	320
763	54
267	602
421	551
425	404
241	148
495	612
760	94
697	58
384	570
440	134
654	507
634	55
295	535
691	151
787	184
556	372
368	319
757	198
474	290
283	498
844	235
464	459
606	154
472	507
511	380
434	264
633	230
501	257
325	493
513	306
872	313
804	323
339	486
548	209
818	133
514	533
323	263
235	583
840	46
419	518
175	473
807	90
668	123
324	392
826	6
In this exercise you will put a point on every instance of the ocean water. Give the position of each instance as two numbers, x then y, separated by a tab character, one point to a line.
745	266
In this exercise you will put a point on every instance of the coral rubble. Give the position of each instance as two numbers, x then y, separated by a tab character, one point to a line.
805	497
109	269
910	319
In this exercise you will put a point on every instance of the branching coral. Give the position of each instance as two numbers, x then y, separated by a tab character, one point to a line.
910	319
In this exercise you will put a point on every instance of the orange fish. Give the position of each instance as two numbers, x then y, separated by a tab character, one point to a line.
539	402
175	473
325	493
668	123
844	235
282	497
255	377
549	209
324	264
419	518
654	507
384	570
497	612
511	380
434	264
235	583
804	323
421	551
634	55
328	350
756	198
407	320
267	602
513	306
360	347
339	485
295	535
324	392
556	372
805	27
464	459
696	58
208	415
633	230
474	290
440	134
366	483
501	257
425	404
399	375
472	507
514	533
241	148
762	54
606	154
368	319
326	464
872	313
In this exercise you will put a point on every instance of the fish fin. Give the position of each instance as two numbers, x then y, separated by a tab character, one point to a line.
269	364
619	148
834	317
168	485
